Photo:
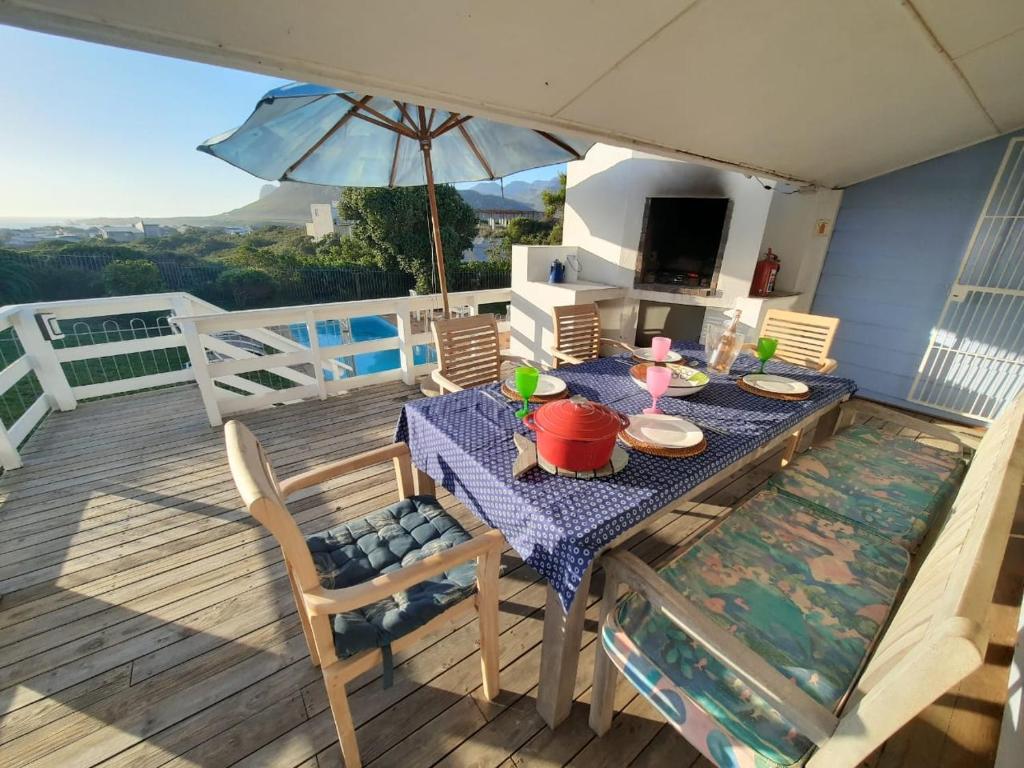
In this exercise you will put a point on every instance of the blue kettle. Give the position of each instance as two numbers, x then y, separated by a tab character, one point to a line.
557	272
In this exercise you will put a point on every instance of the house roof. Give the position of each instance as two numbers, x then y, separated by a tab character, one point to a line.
825	92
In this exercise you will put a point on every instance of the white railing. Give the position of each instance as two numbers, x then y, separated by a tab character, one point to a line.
241	360
326	366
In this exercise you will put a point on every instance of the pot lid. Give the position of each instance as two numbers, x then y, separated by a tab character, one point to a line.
578	419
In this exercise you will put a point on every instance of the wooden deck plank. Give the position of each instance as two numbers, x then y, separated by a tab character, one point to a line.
147	621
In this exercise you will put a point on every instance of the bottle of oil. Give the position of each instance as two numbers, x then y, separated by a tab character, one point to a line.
725	352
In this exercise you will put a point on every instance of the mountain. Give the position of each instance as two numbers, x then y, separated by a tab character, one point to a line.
289	201
528	192
482	201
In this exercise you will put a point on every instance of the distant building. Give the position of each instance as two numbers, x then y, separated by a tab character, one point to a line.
326	221
121	234
500	217
153	230
239	231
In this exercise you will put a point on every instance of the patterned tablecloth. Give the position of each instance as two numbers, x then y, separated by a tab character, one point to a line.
559	524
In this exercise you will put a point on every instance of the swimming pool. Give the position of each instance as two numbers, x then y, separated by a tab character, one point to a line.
329	333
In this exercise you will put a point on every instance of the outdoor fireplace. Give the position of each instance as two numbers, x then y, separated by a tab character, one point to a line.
681	243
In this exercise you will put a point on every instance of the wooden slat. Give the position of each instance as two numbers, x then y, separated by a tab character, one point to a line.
28	420
130	346
86	391
14	373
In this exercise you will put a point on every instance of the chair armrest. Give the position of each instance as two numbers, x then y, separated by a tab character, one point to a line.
315	476
895	417
808	716
320	601
617	343
828	365
565	357
444	383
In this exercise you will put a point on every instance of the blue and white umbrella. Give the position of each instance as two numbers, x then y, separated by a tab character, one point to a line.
320	135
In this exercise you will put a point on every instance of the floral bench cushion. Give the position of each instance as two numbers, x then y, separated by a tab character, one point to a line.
382	542
809	593
892	485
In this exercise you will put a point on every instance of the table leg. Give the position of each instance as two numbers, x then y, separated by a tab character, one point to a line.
560	653
826	426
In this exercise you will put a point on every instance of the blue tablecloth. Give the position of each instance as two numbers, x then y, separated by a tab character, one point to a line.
559	524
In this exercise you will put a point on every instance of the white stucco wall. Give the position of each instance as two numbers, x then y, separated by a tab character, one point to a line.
605	198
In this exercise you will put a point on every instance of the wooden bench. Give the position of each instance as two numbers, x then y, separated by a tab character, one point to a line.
934	630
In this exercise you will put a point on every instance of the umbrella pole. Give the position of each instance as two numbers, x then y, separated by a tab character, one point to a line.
435	225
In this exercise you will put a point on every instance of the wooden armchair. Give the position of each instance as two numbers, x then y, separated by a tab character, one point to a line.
469	353
804	339
330	598
578	335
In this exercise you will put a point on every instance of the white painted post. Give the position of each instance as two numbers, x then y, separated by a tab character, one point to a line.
9	457
406	354
197	357
314	351
44	362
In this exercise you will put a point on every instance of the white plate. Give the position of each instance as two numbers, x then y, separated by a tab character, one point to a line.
779	385
664	430
546	385
646	354
685	381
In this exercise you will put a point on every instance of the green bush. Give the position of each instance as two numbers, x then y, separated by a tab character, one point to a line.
245	287
130	277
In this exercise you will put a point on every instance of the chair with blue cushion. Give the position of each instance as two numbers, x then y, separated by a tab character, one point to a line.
373	586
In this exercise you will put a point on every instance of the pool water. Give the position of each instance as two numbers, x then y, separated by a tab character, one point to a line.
329	334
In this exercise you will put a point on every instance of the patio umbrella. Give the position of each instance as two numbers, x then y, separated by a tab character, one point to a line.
320	135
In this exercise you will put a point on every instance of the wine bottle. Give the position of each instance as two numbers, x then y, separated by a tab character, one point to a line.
727	349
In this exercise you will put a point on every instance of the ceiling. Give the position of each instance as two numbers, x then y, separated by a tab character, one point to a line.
822	91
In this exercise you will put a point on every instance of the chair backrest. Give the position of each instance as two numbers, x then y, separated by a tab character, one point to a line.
257	485
938	634
468	350
803	339
578	330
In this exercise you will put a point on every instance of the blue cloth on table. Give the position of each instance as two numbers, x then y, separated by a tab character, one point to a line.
559	524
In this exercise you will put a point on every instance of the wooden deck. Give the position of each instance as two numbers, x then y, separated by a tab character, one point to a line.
147	621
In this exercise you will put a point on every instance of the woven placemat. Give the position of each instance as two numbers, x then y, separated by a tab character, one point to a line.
771	395
659	450
511	394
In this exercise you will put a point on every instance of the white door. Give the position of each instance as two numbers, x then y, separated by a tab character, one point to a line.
975	357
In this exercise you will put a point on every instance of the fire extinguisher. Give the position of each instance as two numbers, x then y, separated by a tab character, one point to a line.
765	272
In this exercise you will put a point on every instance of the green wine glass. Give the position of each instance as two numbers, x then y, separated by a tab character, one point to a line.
527	379
766	347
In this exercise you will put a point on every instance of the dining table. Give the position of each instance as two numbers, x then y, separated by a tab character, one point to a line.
558	524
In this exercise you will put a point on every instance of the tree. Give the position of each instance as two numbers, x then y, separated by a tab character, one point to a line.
245	287
16	284
554	202
124	277
392	228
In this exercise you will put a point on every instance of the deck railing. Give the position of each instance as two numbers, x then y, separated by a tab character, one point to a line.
55	354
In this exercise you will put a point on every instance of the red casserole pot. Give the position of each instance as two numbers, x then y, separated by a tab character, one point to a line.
576	434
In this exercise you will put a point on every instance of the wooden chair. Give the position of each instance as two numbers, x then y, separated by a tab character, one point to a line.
469	353
935	638
318	606
578	334
804	339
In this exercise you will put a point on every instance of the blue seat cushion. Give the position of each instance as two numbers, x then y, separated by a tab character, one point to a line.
809	593
892	485
381	543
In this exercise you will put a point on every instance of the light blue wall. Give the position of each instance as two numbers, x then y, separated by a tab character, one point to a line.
895	251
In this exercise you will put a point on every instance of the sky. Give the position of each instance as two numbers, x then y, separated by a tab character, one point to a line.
90	130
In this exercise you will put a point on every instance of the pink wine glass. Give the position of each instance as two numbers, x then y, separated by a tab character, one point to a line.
658	378
660	346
